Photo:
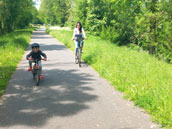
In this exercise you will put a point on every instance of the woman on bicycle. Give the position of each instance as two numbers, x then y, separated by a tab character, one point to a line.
78	30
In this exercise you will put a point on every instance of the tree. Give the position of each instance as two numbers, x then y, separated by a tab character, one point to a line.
146	23
95	15
55	11
15	14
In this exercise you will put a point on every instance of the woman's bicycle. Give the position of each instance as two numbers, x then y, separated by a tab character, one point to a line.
78	56
36	72
79	38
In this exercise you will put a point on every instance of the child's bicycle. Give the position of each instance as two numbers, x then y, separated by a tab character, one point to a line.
36	72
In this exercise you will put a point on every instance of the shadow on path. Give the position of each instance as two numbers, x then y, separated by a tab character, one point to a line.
52	47
61	94
40	34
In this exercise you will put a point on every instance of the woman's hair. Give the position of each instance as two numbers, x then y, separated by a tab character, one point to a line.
80	30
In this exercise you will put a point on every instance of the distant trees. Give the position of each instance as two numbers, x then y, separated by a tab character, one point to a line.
147	23
55	11
15	14
144	23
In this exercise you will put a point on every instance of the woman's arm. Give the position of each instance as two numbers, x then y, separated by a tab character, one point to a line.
73	34
83	32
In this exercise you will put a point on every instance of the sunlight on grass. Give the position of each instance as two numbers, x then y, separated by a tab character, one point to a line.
12	47
141	77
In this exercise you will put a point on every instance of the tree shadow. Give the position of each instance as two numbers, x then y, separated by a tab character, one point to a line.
40	34
63	93
52	47
41	37
84	64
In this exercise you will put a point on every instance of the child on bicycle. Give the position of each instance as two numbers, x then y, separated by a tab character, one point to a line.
36	54
78	30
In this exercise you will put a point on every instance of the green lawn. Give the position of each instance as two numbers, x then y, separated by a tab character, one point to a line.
12	47
141	77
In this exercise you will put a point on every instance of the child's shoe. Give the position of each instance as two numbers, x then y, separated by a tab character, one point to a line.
29	69
41	76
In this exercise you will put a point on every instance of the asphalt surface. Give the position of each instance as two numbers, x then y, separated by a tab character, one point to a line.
68	98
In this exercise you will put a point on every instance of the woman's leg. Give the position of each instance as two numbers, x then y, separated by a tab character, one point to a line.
76	47
82	45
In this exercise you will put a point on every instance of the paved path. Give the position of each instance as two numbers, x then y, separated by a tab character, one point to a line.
69	98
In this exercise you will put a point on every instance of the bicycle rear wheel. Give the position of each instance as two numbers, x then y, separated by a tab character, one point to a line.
37	78
79	57
76	59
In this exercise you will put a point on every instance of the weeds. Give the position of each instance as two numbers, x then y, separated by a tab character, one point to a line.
142	78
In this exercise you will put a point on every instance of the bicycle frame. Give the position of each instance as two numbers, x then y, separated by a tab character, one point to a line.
79	38
35	72
79	53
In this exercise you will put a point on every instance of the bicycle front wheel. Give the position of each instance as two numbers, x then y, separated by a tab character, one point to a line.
37	77
33	74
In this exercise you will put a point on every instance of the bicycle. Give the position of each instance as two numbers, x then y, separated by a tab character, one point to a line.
36	71
78	56
79	38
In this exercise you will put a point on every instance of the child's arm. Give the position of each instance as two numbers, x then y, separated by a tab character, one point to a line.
44	55
29	55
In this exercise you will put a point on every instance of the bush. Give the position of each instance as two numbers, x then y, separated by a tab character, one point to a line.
12	47
141	77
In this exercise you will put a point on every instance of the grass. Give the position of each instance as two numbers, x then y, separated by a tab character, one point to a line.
12	47
142	78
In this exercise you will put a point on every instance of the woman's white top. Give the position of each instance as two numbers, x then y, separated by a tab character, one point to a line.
76	31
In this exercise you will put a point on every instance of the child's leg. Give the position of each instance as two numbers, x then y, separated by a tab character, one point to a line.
30	64
40	67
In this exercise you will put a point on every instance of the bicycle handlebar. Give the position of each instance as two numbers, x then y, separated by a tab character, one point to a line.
31	59
44	59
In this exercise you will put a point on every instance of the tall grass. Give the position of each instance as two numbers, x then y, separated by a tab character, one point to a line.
12	47
142	78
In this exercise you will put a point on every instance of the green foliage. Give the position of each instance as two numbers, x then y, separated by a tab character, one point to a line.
55	11
110	33
95	15
141	77
12	47
82	12
144	23
15	14
36	18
